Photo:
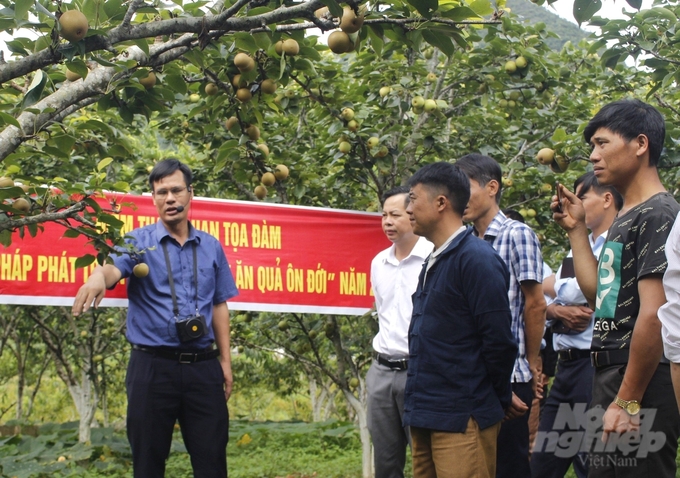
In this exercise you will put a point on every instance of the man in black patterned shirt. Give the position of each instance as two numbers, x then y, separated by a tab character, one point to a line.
641	424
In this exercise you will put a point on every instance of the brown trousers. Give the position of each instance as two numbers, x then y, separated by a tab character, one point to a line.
439	454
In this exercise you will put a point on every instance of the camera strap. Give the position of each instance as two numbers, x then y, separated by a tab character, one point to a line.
175	307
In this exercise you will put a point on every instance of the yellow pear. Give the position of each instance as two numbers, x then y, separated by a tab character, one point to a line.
545	156
268	179
148	81
281	172
22	205
244	95
72	75
260	192
73	25
253	132
339	42
244	62
291	47
141	270
351	22
268	86
264	149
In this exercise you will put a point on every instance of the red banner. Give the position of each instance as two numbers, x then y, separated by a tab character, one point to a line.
283	258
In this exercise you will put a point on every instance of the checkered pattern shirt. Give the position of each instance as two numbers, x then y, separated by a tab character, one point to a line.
519	248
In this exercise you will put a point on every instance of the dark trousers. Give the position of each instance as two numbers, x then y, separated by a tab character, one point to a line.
572	386
162	391
654	456
513	439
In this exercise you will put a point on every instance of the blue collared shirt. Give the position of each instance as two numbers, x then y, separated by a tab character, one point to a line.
150	320
568	292
519	248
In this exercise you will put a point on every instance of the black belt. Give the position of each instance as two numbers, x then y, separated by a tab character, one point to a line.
572	354
181	356
603	358
401	364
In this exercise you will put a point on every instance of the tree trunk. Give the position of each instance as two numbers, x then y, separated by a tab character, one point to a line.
21	385
359	407
36	387
314	399
85	399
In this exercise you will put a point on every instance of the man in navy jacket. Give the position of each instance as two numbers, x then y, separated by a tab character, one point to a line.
461	349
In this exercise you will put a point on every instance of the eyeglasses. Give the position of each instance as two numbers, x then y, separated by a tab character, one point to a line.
163	193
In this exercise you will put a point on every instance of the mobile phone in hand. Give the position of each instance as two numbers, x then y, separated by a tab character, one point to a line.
558	192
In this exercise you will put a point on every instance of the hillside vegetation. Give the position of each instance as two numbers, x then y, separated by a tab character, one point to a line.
533	14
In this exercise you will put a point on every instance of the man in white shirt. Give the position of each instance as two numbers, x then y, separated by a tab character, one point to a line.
669	313
572	322
394	277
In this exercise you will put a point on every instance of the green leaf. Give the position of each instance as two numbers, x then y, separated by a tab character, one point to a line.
78	66
310	53
103	62
104	163
126	114
9	119
585	9
636	4
176	83
245	41
93	9
16	47
6	238
143	45
304	65
63	142
611	57
595	46
110	220
21	8
262	40
559	135
35	89
114	9
439	40
376	40
482	7
259	11
425	7
121	186
459	14
661	12
85	261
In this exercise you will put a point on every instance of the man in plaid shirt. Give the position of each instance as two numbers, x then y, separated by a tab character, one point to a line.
518	246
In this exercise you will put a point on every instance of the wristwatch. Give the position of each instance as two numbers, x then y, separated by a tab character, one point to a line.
631	406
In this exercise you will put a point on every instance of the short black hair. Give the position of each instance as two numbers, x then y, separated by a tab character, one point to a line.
630	118
589	181
168	166
394	192
449	179
482	169
514	214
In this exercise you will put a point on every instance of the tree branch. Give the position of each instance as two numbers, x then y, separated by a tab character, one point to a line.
71	212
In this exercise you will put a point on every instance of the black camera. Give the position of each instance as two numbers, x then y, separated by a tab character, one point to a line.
191	328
